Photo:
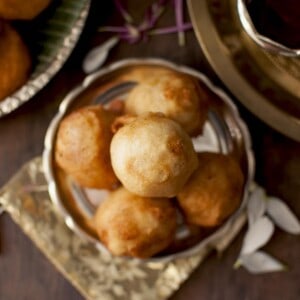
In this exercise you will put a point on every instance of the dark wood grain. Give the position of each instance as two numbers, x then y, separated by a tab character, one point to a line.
26	274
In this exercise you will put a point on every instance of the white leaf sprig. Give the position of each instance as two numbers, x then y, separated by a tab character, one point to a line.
260	262
97	56
262	213
258	235
256	205
282	216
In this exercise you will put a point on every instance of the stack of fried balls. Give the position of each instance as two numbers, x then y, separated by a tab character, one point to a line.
15	60
144	155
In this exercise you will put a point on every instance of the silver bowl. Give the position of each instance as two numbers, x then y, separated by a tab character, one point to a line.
224	132
263	41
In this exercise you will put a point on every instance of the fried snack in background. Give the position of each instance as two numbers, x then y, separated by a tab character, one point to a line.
213	192
15	60
176	95
82	147
130	225
153	156
22	9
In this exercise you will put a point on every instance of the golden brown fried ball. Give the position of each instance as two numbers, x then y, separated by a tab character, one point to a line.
129	225
176	95
22	10
82	147
15	61
213	192
153	156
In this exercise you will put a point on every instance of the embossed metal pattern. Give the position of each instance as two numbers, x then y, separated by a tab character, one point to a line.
96	275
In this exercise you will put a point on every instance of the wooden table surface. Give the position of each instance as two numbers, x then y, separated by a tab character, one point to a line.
25	273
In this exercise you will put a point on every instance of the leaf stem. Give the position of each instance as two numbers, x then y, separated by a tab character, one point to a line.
179	21
116	29
126	16
172	29
237	264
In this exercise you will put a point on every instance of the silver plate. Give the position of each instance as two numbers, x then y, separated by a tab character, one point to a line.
57	39
224	132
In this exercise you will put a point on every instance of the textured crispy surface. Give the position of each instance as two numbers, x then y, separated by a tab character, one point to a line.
213	192
153	156
22	10
15	61
82	147
130	225
176	95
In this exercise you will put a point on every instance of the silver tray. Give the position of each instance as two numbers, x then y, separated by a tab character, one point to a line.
57	38
224	131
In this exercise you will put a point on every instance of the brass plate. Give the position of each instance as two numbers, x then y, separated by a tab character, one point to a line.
267	84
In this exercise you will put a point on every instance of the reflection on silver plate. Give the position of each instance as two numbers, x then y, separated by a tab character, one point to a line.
57	38
223	132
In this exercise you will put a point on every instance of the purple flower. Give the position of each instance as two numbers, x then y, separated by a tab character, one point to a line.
133	33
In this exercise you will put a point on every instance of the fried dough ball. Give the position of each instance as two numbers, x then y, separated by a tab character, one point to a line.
153	156
176	95
82	147
22	10
15	61
130	225
213	192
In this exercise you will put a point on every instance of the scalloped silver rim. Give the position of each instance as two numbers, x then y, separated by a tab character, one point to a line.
35	84
208	242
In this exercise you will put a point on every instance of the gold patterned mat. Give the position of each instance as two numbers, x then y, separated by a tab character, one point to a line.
96	275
